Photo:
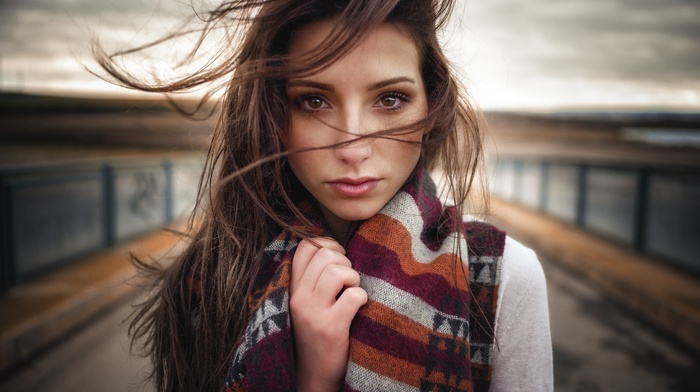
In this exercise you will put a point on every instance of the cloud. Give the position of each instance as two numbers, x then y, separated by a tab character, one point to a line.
578	45
514	53
47	42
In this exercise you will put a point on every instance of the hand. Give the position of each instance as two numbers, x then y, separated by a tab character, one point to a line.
325	296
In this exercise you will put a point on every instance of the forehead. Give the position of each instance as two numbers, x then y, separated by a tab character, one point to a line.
385	40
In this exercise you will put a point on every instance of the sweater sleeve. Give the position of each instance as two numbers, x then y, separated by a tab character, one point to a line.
523	356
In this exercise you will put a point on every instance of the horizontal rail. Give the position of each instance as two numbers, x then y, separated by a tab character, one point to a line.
653	210
54	214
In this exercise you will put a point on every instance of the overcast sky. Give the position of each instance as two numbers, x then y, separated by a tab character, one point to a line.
513	54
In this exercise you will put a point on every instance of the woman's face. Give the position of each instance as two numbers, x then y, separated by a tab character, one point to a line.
376	86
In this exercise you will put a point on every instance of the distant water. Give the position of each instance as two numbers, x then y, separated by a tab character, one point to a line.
671	137
631	117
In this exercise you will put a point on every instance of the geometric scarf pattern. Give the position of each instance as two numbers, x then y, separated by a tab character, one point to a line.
429	322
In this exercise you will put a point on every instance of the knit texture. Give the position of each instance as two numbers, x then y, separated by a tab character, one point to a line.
420	330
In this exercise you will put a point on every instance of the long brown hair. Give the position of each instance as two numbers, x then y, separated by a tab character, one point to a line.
197	311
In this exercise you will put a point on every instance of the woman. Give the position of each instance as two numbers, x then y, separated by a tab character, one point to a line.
324	259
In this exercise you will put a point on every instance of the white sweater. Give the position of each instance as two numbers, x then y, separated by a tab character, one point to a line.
523	356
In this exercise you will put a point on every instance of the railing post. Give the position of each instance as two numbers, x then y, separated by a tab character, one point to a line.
6	267
641	209
168	168
517	181
109	208
544	186
581	195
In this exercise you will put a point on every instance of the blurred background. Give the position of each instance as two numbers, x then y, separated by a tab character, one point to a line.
593	151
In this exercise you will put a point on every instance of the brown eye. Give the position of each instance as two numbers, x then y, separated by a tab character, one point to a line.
314	103
389	101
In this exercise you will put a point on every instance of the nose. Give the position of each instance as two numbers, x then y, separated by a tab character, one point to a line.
354	151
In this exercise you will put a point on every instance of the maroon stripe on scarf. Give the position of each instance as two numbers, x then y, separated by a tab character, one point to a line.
376	260
392	342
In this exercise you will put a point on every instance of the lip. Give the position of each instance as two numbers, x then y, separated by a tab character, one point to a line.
354	187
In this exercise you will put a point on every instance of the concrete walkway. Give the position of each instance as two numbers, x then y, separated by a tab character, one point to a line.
664	296
37	314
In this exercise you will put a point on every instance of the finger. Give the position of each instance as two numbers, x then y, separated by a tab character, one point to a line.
333	280
323	258
347	305
326	242
306	250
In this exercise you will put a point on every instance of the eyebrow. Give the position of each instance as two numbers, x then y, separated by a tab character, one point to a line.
389	82
309	83
329	87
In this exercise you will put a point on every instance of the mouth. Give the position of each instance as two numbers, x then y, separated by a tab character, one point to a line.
354	187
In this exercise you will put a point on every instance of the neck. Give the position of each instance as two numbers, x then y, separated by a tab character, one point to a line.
341	229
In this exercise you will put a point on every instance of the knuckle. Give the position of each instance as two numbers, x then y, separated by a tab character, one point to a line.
344	272
327	242
295	304
305	245
334	271
326	253
332	256
357	295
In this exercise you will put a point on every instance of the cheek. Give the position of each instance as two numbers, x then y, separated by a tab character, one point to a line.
294	141
306	165
292	136
306	132
410	143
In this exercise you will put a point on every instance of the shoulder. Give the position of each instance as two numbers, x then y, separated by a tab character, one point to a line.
523	356
520	267
522	285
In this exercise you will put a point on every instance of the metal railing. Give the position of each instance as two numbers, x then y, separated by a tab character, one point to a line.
53	214
653	210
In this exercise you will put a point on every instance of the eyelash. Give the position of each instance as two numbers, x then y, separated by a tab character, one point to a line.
401	97
300	102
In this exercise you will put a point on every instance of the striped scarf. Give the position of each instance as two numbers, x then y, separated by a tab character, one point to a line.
429	322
